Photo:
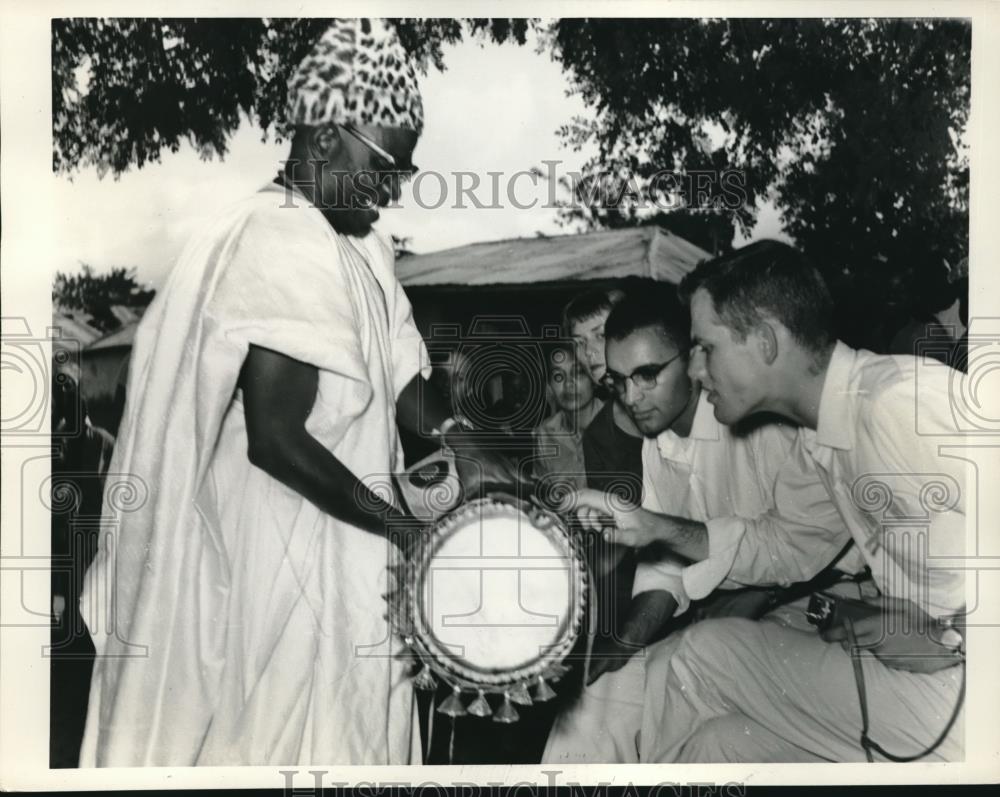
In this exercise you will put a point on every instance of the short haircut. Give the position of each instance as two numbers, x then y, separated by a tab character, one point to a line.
767	278
655	308
588	304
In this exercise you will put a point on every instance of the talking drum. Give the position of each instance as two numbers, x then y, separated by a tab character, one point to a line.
492	603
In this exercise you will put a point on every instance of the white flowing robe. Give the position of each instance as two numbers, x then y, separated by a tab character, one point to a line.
235	622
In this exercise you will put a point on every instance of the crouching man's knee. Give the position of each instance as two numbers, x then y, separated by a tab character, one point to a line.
714	640
718	740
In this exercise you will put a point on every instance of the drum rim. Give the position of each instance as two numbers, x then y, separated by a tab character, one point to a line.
465	673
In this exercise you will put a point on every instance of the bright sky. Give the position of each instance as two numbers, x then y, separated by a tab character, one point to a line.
496	108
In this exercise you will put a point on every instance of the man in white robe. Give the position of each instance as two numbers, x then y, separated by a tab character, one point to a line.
236	602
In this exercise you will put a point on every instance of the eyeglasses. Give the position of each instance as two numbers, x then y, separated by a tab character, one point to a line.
389	162
644	377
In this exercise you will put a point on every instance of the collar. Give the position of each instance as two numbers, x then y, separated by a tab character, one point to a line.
836	427
704	426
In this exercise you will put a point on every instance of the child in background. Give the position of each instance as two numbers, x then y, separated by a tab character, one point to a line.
559	438
612	445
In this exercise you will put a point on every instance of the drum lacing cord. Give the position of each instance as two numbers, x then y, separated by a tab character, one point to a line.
592	621
430	727
430	734
390	688
867	743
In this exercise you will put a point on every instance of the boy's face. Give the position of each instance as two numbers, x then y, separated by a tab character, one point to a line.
569	382
588	335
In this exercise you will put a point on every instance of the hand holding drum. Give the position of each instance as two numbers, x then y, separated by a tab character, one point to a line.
620	522
482	469
405	531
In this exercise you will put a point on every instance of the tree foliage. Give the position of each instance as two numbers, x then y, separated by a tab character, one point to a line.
853	128
124	90
97	294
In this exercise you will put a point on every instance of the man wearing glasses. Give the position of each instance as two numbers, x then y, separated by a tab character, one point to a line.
696	470
268	379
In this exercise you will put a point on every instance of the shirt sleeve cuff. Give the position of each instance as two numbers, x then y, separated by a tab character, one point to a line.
662	575
724	536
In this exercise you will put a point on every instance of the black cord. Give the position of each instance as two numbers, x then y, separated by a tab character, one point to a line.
867	743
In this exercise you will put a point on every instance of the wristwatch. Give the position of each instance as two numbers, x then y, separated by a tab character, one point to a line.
949	635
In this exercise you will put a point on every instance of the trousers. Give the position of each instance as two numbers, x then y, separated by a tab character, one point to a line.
733	690
603	725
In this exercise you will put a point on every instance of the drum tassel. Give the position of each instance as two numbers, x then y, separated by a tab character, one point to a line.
543	692
452	705
519	694
506	713
425	679
480	707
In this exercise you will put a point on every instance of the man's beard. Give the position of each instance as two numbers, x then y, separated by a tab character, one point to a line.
347	208
349	221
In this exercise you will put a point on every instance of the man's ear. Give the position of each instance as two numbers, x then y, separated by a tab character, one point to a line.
767	342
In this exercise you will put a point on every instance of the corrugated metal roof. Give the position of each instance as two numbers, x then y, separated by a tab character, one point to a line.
120	337
74	329
604	254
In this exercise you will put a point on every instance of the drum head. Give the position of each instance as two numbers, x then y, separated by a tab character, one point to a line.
499	594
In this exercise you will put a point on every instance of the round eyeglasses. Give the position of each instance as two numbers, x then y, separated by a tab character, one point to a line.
644	377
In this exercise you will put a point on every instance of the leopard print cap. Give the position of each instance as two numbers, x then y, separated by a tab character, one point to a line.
359	73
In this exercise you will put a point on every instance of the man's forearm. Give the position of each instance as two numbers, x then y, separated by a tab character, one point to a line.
689	538
648	615
279	393
301	463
